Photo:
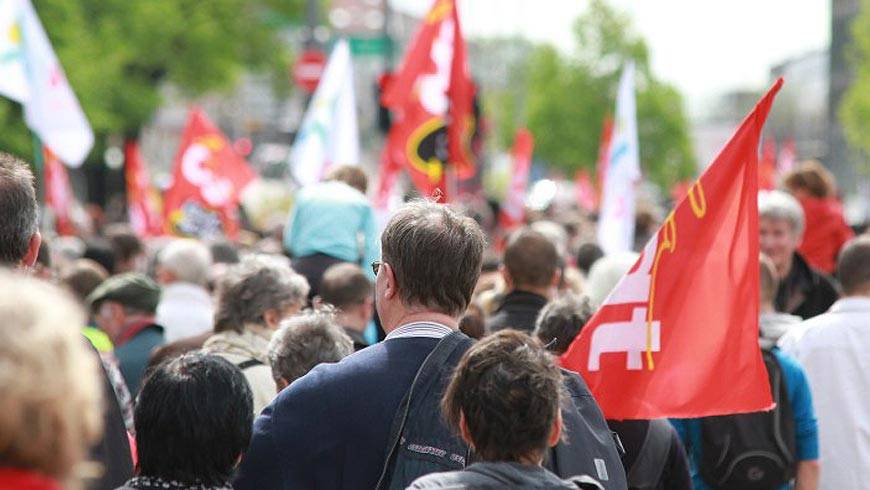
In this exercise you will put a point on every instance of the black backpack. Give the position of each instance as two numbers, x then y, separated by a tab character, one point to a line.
752	451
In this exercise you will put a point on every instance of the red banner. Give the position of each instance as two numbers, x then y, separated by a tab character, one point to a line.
58	193
603	151
208	179
142	199
432	97
678	336
513	209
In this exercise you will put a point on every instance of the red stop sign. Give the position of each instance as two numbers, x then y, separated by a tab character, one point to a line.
308	69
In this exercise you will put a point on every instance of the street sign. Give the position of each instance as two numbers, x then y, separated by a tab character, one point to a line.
370	46
308	69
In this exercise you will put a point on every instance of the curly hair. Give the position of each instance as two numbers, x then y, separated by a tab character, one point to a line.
561	320
252	287
50	399
306	340
509	391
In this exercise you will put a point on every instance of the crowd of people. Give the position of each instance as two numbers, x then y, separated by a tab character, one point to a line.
422	356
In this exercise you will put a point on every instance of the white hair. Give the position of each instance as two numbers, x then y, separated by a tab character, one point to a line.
606	273
189	260
778	205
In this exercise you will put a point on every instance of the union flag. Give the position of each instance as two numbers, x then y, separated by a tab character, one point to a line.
678	336
432	97
208	179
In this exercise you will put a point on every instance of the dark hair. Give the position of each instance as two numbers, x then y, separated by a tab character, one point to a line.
561	320
350	175
83	277
509	390
19	211
435	254
224	252
853	266
588	254
100	252
125	244
345	285
194	417
531	259
472	322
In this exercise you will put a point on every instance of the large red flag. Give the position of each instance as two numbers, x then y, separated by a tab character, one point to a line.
678	336
513	210
142	207
58	193
208	180
432	98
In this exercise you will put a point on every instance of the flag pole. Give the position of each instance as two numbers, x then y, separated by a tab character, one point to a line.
38	168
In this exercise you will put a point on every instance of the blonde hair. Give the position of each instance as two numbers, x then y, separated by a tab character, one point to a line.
50	400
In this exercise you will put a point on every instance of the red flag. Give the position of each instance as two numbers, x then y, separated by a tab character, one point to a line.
584	190
678	336
432	96
767	166
513	210
603	151
58	193
680	189
208	180
142	199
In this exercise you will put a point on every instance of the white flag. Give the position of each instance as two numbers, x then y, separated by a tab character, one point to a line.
616	219
328	134
30	73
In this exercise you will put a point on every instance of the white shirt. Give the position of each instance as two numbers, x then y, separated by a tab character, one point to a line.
430	330
834	349
184	310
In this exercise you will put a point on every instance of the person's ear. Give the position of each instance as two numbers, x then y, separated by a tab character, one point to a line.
506	277
30	257
272	317
463	430
391	288
556	430
557	278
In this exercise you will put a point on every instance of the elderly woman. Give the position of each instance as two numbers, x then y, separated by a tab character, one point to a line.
253	298
803	291
304	341
50	407
195	442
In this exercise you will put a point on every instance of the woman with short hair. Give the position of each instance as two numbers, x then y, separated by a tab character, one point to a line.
253	298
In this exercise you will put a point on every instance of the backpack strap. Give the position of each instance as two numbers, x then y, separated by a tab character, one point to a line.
249	364
586	482
433	361
647	468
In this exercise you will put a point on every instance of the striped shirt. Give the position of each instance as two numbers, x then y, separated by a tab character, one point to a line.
430	330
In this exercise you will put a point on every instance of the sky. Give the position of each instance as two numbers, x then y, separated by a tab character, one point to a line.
704	47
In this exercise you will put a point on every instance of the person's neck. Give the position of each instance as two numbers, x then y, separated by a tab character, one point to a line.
423	316
546	292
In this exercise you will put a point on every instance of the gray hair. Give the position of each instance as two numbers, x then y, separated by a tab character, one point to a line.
561	320
19	211
435	254
778	205
306	340
252	287
189	260
606	273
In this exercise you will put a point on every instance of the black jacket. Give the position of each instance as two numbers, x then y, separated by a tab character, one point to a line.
674	469
805	292
518	310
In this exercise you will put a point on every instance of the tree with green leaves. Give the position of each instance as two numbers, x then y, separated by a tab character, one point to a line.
855	107
566	98
118	53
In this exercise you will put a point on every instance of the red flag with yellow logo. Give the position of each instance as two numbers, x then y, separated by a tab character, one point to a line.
432	98
208	179
678	336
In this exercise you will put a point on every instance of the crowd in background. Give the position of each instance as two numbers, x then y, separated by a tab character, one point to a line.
423	356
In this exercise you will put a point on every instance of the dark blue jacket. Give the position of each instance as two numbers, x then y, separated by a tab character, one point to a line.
329	429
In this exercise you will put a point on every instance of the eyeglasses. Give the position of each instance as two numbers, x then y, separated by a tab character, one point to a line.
376	266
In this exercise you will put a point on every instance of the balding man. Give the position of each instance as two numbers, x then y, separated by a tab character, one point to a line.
186	308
